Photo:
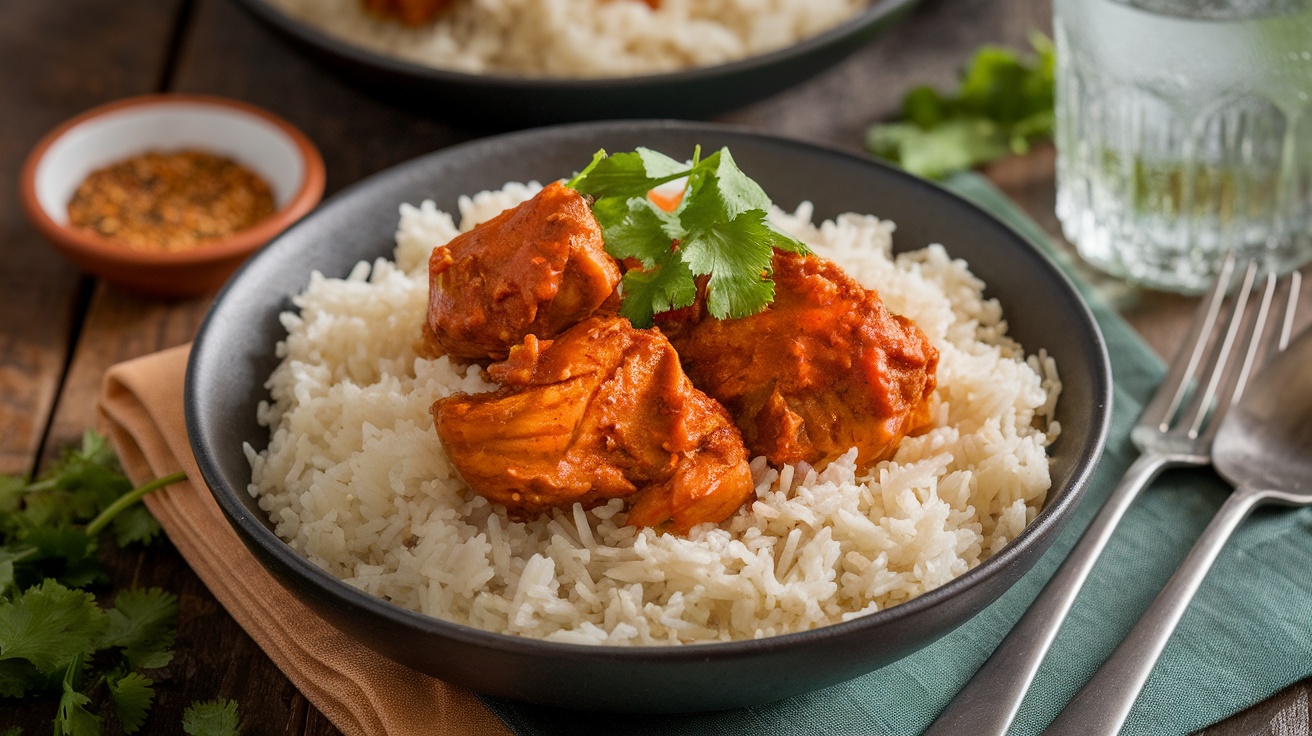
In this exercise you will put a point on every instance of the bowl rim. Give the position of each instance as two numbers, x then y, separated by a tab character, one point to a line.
310	33
1049	520
302	200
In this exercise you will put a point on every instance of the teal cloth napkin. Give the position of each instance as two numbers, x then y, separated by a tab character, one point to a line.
1247	634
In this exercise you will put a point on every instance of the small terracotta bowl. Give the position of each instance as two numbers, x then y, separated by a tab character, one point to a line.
255	138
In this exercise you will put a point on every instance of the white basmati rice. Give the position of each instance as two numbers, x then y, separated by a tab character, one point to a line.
356	480
581	38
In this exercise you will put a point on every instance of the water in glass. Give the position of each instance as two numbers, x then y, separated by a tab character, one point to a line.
1184	129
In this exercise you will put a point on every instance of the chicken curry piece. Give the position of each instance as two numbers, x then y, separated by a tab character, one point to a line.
535	269
603	411
825	368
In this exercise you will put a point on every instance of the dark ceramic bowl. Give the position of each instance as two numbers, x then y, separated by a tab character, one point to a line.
234	354
505	102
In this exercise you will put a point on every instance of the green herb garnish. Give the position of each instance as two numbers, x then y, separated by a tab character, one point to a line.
1003	105
56	638
720	229
212	718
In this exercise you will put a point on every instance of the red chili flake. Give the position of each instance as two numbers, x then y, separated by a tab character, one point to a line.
170	201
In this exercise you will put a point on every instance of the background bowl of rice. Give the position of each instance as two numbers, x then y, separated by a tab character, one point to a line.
336	35
234	355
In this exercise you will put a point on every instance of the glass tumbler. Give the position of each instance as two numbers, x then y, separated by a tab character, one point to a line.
1184	130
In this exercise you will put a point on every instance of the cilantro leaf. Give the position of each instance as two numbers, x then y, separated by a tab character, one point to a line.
50	625
1002	105
212	718
134	525
132	695
12	731
63	553
11	495
737	285
143	622
924	107
730	239
51	634
60	542
720	229
83	483
627	175
19	677
86	482
954	145
638	228
727	194
667	285
96	450
8	557
72	718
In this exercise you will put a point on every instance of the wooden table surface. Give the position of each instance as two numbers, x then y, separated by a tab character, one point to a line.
62	329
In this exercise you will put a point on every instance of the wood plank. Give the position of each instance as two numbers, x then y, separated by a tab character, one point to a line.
118	326
225	53
56	60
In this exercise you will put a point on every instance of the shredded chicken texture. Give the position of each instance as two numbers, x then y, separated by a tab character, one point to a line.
603	411
591	409
535	269
825	368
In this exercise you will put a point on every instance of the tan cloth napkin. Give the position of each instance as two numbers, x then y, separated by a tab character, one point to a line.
361	692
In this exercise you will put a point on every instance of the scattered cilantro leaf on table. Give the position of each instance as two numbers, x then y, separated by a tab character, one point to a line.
132	695
50	625
212	718
141	624
56	638
720	229
1003	105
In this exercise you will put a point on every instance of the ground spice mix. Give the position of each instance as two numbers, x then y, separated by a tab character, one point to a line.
170	201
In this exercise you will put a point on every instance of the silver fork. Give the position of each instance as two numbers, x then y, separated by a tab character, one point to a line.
1175	430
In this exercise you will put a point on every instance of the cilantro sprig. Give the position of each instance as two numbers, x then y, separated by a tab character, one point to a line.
1003	105
720	230
57	638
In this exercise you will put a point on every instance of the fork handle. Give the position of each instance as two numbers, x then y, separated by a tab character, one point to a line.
1104	702
989	702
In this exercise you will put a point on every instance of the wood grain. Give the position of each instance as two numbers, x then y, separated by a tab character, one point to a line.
58	60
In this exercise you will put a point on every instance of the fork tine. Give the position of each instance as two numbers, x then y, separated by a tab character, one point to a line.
1237	373
1280	297
1201	402
1292	285
1161	409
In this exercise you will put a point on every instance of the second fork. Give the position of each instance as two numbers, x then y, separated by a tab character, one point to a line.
1169	433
